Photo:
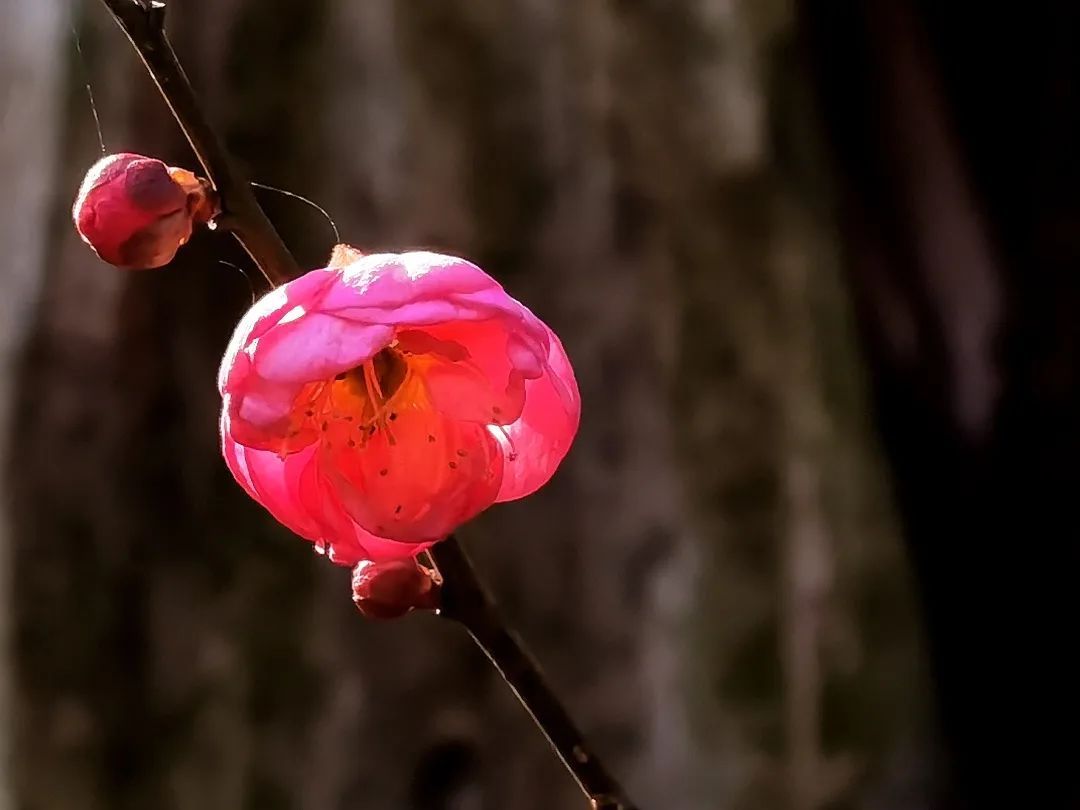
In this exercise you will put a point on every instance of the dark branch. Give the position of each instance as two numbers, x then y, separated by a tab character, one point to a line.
144	24
465	600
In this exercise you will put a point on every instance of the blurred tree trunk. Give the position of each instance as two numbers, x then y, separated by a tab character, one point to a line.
31	88
627	170
960	178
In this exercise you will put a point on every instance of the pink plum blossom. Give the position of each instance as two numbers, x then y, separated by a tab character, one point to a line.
374	406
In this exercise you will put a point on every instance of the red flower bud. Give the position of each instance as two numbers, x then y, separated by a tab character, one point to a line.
392	588
136	212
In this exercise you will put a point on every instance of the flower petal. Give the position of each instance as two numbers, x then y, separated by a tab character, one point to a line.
419	480
468	371
316	347
294	491
304	292
541	438
276	483
392	280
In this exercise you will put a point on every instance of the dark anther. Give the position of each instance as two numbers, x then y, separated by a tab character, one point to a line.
397	509
384	471
463	453
392	416
453	465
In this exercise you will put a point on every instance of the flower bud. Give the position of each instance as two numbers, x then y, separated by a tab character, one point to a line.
392	588
136	212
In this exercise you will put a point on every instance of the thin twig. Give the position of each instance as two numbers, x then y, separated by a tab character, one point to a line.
144	24
465	600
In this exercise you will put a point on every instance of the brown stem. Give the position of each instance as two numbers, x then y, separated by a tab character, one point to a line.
465	600
144	24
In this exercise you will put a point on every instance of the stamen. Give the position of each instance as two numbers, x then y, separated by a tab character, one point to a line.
369	369
394	369
357	402
370	384
502	436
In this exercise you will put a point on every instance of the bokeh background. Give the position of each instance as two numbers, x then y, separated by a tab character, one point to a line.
815	265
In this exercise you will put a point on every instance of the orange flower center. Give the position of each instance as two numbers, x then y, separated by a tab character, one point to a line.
356	404
405	440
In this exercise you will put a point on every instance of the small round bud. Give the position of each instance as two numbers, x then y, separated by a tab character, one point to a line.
136	212
390	589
